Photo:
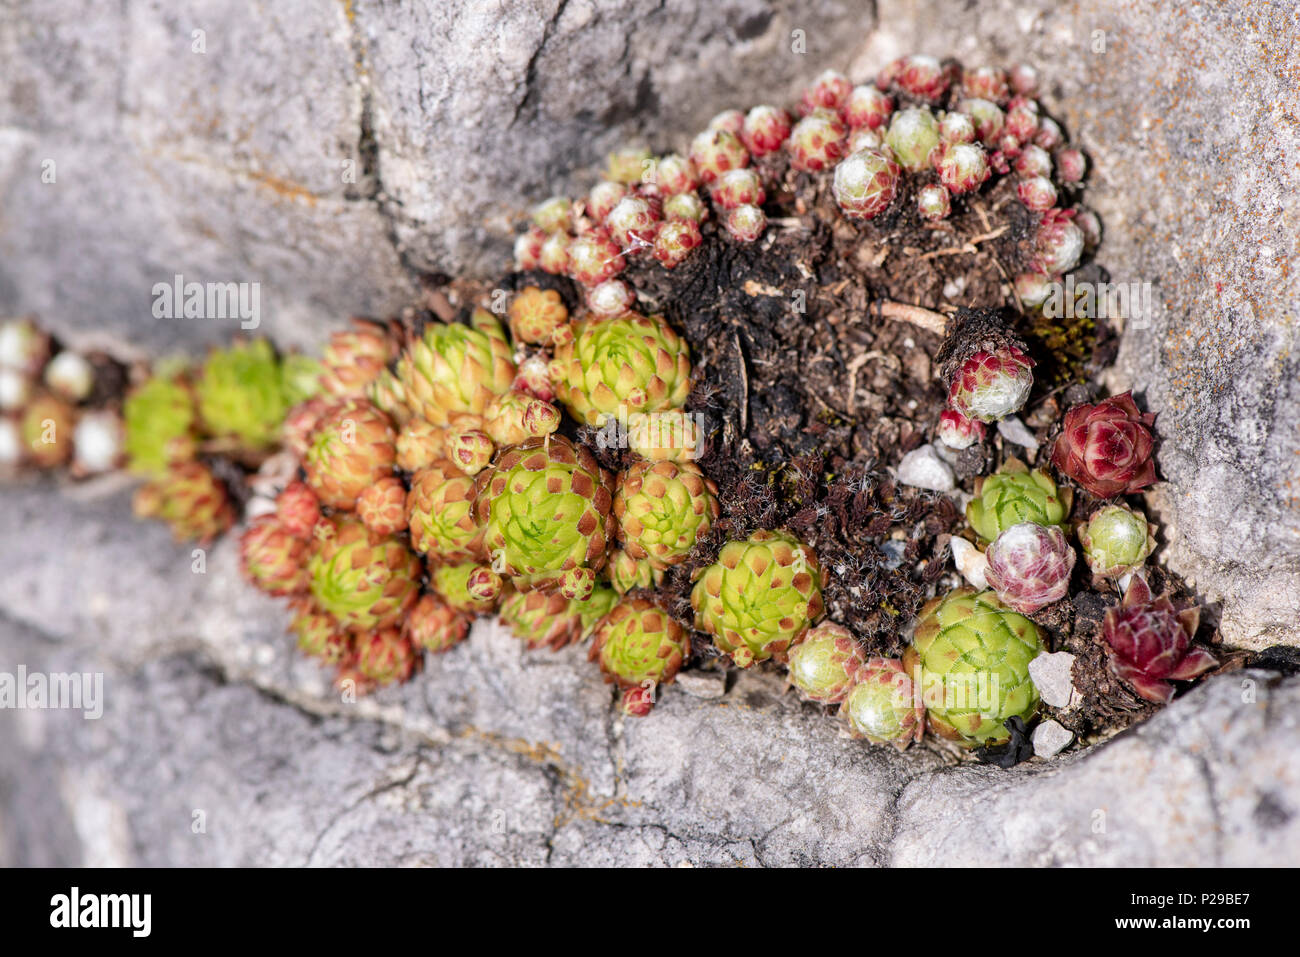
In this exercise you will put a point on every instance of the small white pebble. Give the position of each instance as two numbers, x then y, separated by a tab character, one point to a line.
970	562
954	287
1051	738
1013	430
1050	674
922	468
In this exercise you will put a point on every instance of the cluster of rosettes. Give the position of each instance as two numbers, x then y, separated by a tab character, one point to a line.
230	406
434	488
49	414
429	482
647	205
1022	519
955	130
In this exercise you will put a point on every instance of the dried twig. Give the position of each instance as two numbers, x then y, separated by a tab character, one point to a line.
921	318
744	386
970	246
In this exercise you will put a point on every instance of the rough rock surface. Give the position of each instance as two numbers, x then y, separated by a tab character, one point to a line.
219	745
332	151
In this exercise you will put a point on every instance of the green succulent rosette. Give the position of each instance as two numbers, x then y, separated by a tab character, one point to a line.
319	634
455	368
299	378
625	572
662	508
638	642
882	705
759	596
973	653
364	580
825	662
1116	540
241	396
546	511
453	584
1013	495
440	509
620	366
160	421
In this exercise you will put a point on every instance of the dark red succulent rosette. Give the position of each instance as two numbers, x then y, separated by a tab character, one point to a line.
1107	447
1150	643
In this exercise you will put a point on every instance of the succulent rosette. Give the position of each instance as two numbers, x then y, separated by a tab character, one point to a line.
973	653
366	581
319	634
662	508
637	643
992	384
190	499
300	424
675	239
382	506
1058	244
1012	495
962	167
440	514
865	183
354	358
958	432
456	368
433	625
240	395
625	572
385	656
817	142
674	435
867	107
535	314
351	449
272	559
299	378
47	425
467	586
715	151
419	445
933	202
920	76
759	596
745	223
1116	540
1150	643
825	662
514	416
913	137
546	511
1029	566
549	620
882	706
160	424
388	395
468	448
1106	447
24	346
765	129
618	366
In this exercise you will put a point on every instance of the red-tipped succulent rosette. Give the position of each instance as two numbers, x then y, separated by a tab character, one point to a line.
1150	643
1106	447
